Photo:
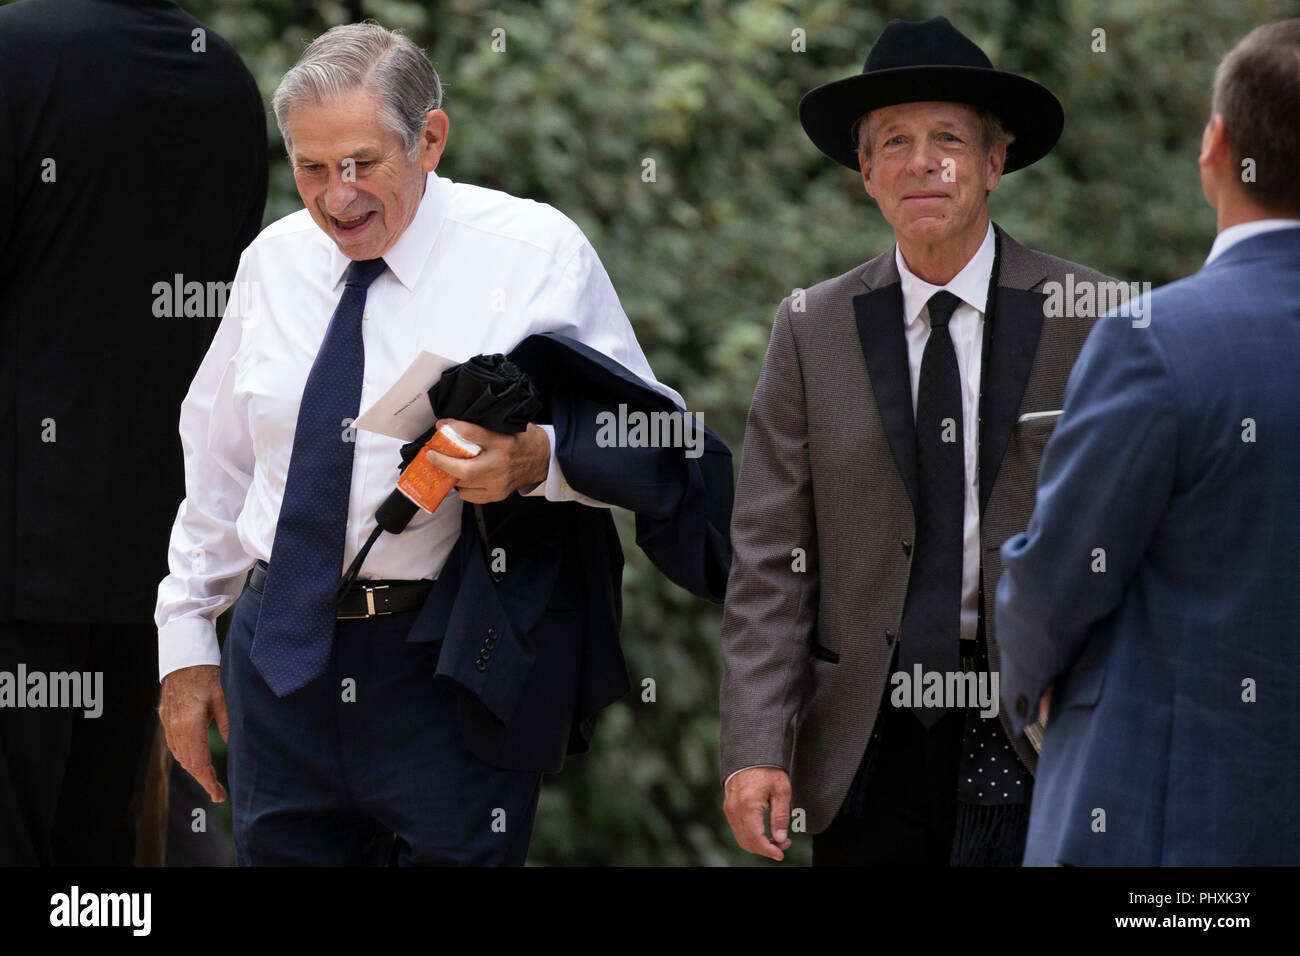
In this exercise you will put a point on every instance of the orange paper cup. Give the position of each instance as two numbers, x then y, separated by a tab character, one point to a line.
424	482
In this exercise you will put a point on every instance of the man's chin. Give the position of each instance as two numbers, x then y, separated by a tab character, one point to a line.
926	229
357	251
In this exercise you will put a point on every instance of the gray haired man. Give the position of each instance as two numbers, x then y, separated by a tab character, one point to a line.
339	735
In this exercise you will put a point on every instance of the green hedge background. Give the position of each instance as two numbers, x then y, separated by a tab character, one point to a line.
743	210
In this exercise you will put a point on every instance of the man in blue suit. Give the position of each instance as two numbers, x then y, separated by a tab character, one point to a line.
1152	603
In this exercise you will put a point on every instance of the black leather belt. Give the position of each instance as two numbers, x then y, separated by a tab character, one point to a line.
366	599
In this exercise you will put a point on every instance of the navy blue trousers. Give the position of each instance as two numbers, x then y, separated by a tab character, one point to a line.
317	779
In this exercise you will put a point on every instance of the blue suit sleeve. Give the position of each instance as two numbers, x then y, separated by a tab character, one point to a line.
692	547
623	442
682	501
1105	478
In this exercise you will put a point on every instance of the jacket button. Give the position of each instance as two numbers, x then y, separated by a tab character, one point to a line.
480	665
907	546
492	634
889	635
1022	705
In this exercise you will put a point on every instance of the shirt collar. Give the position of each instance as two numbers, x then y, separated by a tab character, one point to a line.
409	254
1244	230
971	284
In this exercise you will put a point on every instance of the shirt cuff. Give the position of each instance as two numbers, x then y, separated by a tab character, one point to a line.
743	769
554	488
186	643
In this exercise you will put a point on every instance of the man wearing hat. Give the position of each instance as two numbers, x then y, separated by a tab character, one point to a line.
892	446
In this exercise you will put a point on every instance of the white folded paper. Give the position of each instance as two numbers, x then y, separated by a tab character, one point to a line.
404	411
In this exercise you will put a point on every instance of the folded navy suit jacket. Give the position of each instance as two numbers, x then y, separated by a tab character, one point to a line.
535	649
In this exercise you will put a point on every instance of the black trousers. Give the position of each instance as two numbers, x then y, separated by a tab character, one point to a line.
71	785
902	807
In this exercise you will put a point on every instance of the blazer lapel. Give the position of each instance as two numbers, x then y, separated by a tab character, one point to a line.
1010	342
879	313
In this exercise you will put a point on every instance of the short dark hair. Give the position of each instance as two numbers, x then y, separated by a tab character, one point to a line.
1257	92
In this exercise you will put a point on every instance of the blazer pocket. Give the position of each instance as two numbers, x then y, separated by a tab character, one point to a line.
1017	481
824	653
1032	431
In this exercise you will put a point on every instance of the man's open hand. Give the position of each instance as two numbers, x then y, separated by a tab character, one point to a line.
748	794
507	462
191	699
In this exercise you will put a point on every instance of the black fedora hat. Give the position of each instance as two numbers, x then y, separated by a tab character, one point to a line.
932	61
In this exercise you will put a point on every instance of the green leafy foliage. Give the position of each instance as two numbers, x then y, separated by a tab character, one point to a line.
742	210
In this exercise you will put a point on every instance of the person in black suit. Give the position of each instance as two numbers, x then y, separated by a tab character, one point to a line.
133	170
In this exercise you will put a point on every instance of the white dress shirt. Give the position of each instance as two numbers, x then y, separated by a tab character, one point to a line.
476	271
1244	230
966	327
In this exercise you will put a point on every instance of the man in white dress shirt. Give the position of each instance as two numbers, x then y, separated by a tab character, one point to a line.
333	745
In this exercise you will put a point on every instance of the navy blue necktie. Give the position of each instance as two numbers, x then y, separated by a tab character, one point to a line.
931	627
295	626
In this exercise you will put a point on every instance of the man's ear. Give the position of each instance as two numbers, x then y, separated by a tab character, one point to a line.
1215	148
433	139
997	161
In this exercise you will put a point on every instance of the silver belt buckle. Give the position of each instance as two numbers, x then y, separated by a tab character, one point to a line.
370	605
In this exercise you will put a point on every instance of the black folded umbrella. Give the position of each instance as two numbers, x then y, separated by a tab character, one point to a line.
487	390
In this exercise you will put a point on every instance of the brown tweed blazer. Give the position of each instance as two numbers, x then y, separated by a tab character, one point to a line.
828	472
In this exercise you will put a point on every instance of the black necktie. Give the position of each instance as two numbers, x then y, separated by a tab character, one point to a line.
931	628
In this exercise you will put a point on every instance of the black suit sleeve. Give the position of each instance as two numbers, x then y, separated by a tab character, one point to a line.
8	175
